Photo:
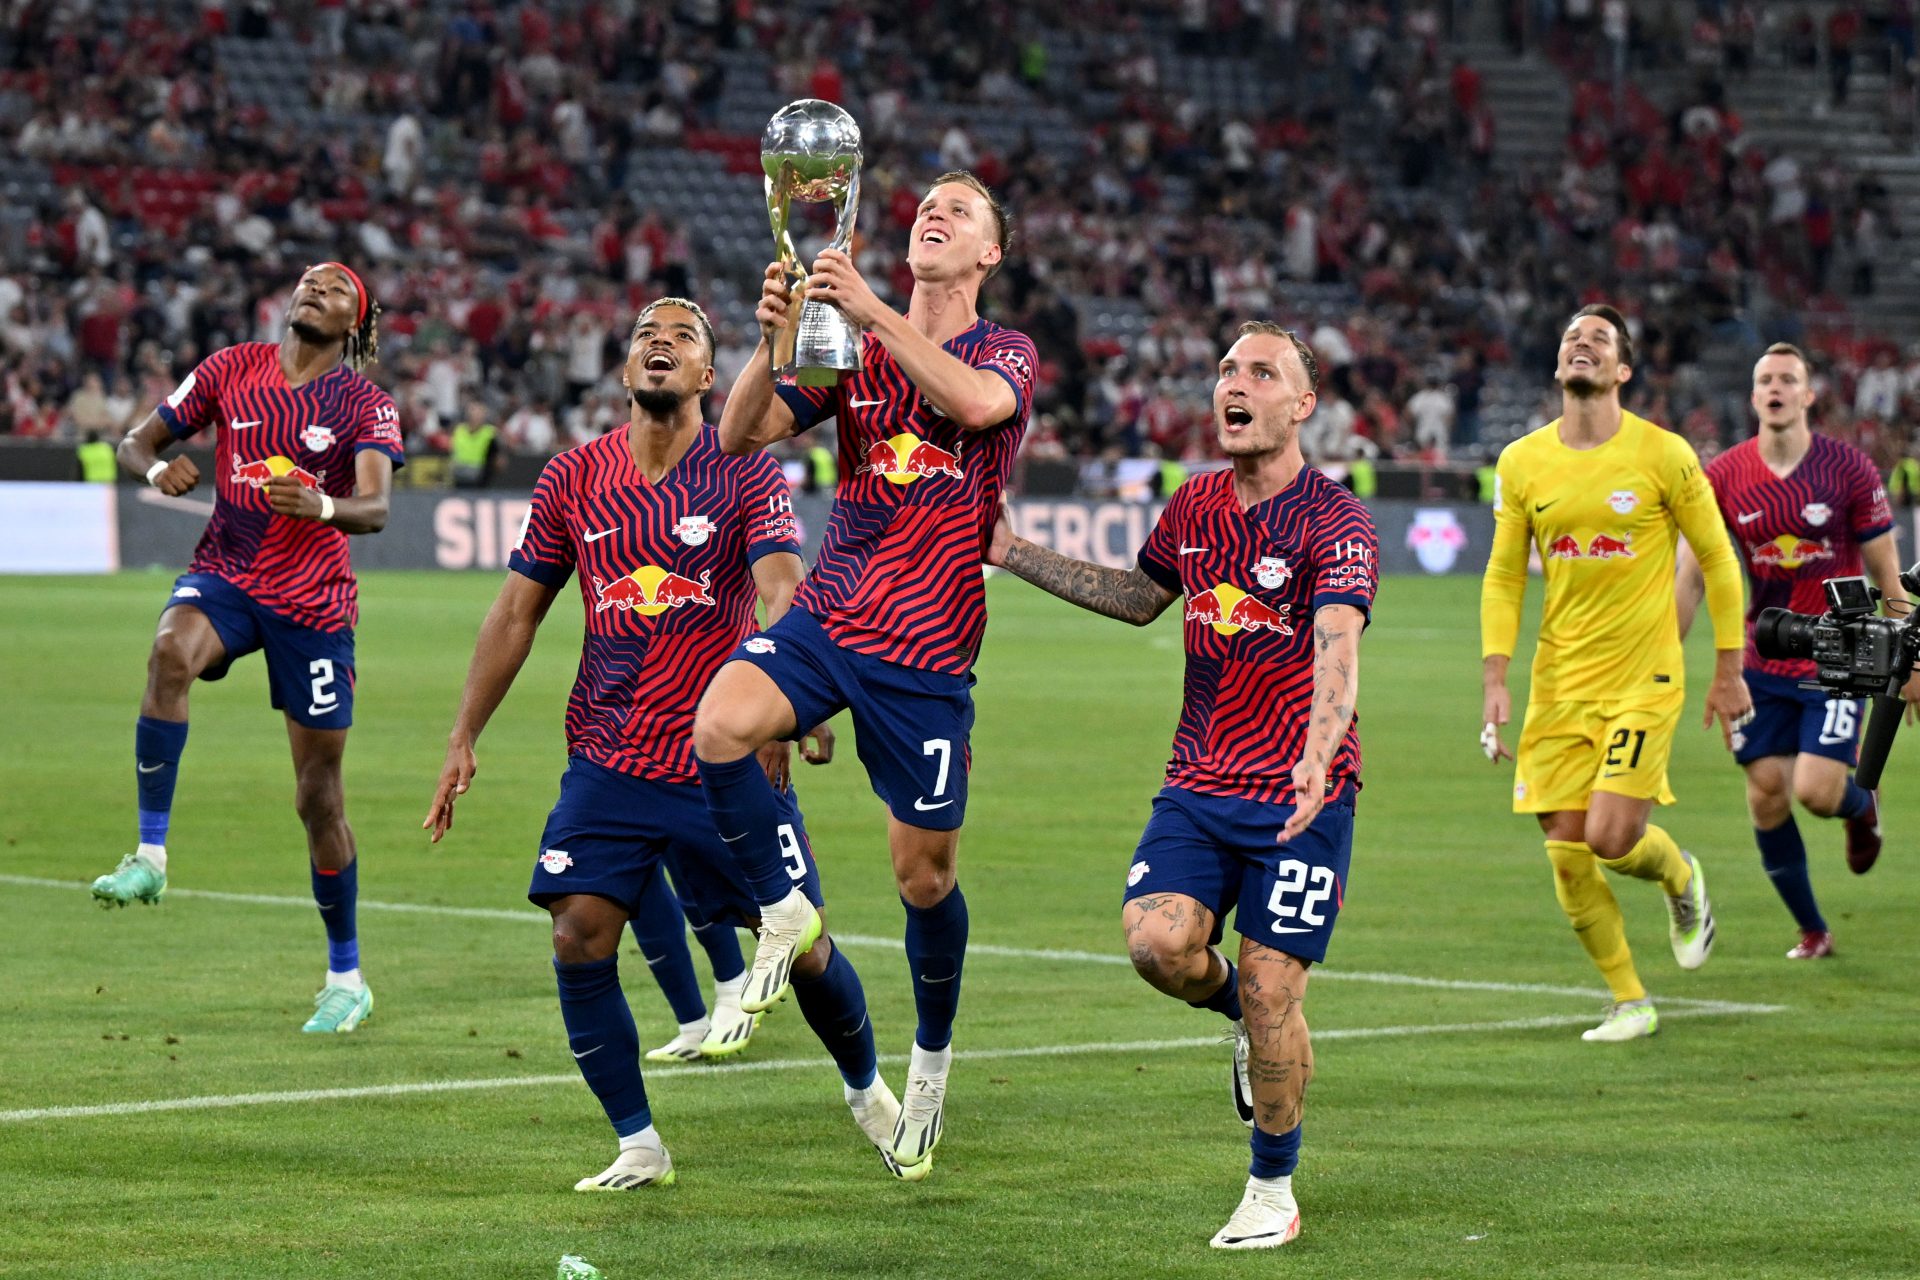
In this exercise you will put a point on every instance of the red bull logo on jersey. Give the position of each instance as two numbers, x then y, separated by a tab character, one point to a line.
1229	611
1789	551
258	472
651	591
1602	546
906	458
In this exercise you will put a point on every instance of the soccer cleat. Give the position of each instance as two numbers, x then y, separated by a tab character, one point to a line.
1627	1020
731	1032
685	1047
1815	944
339	1010
635	1168
921	1119
1863	838
1691	930
877	1114
1266	1219
134	880
1242	1085
789	928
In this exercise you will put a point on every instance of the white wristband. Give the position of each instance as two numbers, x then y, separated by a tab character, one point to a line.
326	507
153	472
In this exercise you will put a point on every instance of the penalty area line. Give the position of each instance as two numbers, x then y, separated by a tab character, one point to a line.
291	1096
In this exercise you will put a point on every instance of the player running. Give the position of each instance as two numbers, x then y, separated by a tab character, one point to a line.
1276	563
889	621
672	540
304	455
1604	494
661	918
1802	508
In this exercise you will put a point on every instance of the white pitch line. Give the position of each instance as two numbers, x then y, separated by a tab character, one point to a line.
221	1101
1056	955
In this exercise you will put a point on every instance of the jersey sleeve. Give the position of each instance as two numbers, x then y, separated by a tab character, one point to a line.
377	426
1505	584
1159	555
1011	354
1346	557
544	551
1719	475
811	406
766	510
1689	495
195	403
1867	509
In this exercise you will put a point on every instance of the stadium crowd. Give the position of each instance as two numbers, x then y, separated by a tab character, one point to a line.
483	165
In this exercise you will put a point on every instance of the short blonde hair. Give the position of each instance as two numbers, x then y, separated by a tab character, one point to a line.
1002	224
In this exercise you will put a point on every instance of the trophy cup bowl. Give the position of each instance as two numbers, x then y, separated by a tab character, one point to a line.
810	152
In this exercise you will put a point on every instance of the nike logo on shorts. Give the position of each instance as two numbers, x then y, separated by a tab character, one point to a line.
922	805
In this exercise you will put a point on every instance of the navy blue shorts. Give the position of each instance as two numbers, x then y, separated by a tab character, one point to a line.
912	728
1788	720
1220	851
610	833
309	671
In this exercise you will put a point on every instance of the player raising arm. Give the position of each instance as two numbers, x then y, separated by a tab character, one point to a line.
304	453
1276	564
1802	508
1604	495
672	540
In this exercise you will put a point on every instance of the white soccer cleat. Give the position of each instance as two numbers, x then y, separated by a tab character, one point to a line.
1242	1084
688	1046
1691	931
637	1167
788	928
922	1115
732	1029
877	1112
1627	1020
1266	1219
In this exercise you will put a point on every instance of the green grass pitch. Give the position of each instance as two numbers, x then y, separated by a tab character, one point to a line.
1453	1129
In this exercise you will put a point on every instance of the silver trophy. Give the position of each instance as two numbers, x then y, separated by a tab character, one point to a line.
811	153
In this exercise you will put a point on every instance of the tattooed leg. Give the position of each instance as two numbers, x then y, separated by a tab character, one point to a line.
1273	989
1167	937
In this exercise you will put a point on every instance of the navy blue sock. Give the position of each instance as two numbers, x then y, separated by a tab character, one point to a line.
1226	1000
661	930
1275	1155
335	893
936	947
157	747
605	1044
1784	855
1856	802
835	1006
721	941
746	813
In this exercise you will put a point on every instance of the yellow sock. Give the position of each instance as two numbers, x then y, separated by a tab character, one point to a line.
1656	857
1595	916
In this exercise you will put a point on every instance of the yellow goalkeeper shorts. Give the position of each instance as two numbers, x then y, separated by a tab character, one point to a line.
1569	750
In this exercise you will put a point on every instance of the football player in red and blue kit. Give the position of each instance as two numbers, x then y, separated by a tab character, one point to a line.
1802	508
890	619
1276	564
304	454
672	541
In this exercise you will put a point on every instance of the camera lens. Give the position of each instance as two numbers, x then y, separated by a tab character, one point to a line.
1782	633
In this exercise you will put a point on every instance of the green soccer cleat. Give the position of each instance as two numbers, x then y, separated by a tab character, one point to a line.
134	880
338	1010
731	1031
1691	930
788	928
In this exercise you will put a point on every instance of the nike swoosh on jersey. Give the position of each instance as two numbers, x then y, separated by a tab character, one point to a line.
863	404
595	537
1750	517
922	805
242	426
1193	551
1542	506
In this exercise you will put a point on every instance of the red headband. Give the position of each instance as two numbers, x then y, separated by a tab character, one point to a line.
359	288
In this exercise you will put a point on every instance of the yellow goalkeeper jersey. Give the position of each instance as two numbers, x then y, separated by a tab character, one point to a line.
1606	521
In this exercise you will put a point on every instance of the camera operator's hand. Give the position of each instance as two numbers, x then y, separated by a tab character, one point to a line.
1728	700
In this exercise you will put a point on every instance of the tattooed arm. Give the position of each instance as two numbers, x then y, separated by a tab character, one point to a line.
1336	685
1127	594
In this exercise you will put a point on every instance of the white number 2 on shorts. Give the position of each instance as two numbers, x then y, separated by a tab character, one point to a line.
1314	885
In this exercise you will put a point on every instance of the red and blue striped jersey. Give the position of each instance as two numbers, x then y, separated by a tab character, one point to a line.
665	576
898	574
1794	534
1252	578
299	568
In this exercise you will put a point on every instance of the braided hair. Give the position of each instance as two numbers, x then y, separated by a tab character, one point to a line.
363	343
